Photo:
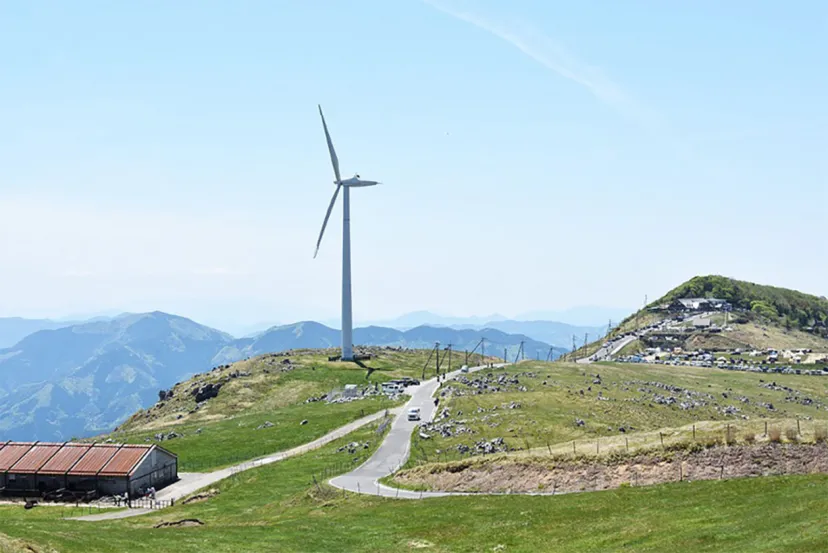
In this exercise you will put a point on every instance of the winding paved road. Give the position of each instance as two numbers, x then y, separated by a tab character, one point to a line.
390	456
190	482
394	450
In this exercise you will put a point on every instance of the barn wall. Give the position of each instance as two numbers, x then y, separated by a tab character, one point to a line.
158	469
81	483
50	483
112	485
20	481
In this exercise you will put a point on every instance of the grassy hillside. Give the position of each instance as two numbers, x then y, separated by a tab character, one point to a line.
539	405
262	403
288	507
279	508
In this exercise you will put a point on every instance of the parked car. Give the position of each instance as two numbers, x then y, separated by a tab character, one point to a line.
414	414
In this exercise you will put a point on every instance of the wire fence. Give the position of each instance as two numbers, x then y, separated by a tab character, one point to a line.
744	432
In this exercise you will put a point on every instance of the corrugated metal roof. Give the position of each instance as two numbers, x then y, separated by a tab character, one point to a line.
125	460
72	458
12	453
64	459
35	458
95	459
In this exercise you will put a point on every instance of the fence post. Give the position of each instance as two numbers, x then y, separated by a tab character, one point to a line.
766	428
798	431
627	443
694	432
661	437
597	446
573	447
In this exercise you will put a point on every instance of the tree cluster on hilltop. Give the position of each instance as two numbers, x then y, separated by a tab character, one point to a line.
791	308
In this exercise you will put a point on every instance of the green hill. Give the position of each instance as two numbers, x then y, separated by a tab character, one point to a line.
760	317
257	406
789	308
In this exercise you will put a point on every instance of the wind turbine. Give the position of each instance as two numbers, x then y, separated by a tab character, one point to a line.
355	181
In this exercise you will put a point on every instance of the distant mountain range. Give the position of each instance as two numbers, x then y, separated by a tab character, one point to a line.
14	329
86	378
583	316
556	334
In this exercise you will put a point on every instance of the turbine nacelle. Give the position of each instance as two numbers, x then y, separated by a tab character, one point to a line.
356	181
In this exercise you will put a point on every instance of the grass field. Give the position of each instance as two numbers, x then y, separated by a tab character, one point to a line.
266	389
635	397
230	441
287	506
279	508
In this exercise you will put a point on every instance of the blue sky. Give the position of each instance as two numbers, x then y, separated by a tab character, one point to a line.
535	155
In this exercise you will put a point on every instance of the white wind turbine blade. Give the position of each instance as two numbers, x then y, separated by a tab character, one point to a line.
327	216
334	159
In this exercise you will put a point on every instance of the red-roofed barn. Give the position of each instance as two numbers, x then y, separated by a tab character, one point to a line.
107	469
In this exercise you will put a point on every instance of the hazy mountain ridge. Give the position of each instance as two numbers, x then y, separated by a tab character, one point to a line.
551	332
87	378
14	329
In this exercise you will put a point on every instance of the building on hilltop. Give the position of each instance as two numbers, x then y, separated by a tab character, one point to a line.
99	469
698	304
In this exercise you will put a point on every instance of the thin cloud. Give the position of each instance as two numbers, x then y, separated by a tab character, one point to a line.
220	271
78	273
552	56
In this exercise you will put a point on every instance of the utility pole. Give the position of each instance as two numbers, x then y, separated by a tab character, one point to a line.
482	350
440	365
505	359
586	339
573	347
520	353
430	353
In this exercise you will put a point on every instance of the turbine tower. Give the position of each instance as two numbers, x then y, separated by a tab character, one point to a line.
355	181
